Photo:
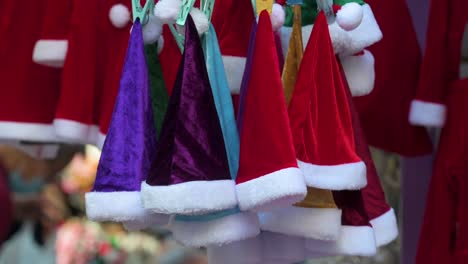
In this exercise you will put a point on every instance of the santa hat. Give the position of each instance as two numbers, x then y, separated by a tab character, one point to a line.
356	236
127	152
234	36
316	216
51	49
224	226
268	175
381	215
190	172
323	134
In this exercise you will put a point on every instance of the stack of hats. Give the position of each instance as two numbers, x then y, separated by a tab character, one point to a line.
290	178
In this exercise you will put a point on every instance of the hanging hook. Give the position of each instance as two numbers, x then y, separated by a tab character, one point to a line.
184	11
140	12
327	7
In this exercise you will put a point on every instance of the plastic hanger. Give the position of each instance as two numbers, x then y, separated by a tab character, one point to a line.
294	2
140	12
184	11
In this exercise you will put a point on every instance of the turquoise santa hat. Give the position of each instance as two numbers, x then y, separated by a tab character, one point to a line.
130	144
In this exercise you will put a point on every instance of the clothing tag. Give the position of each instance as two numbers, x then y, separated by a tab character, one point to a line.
184	11
264	5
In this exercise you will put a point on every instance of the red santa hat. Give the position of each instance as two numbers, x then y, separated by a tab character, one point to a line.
268	175
323	133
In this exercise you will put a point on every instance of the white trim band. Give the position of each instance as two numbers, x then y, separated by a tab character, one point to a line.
427	114
190	198
316	223
50	53
349	176
385	228
272	191
219	231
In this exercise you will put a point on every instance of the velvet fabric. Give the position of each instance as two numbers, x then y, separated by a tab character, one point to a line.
444	234
191	146
323	134
158	91
384	112
441	64
266	141
131	141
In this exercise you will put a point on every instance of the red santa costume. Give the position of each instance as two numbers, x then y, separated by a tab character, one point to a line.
440	68
29	91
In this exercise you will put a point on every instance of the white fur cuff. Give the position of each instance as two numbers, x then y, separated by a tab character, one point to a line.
427	114
317	223
50	52
385	228
360	73
349	176
190	198
247	251
219	231
353	241
234	67
279	248
272	191
115	206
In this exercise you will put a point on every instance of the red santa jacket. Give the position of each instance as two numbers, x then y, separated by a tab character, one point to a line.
29	92
444	235
440	69
89	40
384	112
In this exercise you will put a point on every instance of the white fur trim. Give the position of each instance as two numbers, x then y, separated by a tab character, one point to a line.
152	30
271	191
219	231
188	198
317	223
28	131
115	206
201	20
50	52
385	228
353	241
167	10
349	16
247	251
279	248
234	67
149	220
366	34
349	176
119	15
277	16
427	114
73	131
360	73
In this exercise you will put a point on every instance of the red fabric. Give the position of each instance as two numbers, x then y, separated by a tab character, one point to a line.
57	19
169	58
29	91
323	134
92	70
384	112
447	21
234	33
353	212
6	206
444	235
265	139
373	194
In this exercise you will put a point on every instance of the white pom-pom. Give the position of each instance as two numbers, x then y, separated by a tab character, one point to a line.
152	30
160	44
349	16
119	15
167	10
200	20
277	17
